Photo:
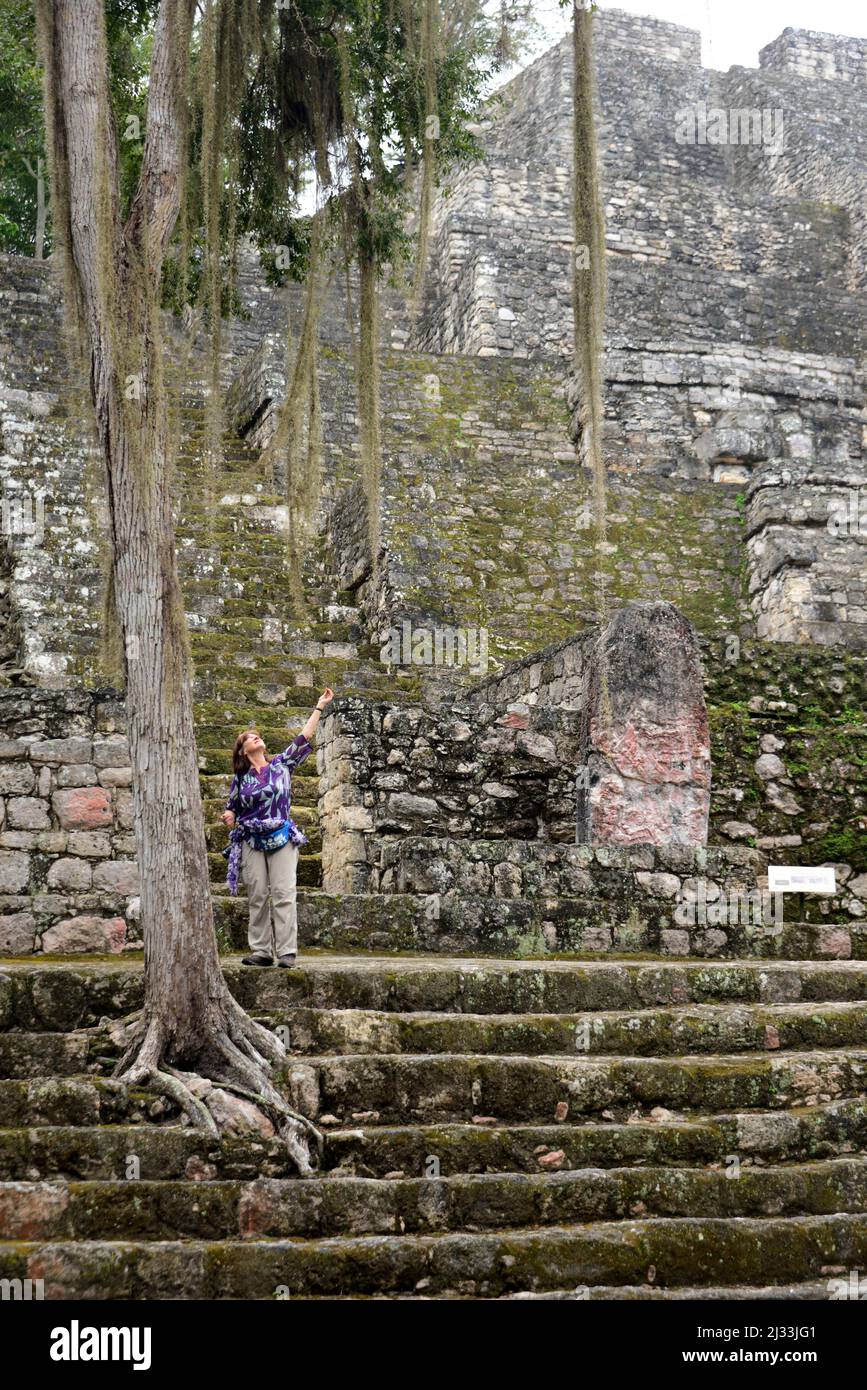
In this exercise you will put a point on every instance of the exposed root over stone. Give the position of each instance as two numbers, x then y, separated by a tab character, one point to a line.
236	1059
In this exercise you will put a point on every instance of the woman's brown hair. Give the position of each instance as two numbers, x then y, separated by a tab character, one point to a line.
240	761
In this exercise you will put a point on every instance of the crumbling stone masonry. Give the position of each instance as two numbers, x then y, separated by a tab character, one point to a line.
644	765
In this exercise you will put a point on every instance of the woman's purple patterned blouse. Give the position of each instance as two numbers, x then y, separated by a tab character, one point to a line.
261	801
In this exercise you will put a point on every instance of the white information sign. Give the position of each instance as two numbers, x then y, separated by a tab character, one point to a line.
793	878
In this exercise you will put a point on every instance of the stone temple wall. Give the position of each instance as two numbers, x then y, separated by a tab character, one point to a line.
734	435
387	771
833	57
734	330
699	238
807	552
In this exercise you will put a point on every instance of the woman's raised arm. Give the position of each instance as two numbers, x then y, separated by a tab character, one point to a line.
312	724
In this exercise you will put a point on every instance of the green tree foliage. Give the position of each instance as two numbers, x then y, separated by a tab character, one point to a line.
22	142
21	137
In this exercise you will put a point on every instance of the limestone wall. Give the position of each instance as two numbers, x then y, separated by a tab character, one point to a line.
391	771
68	876
831	57
534	897
756	245
807	552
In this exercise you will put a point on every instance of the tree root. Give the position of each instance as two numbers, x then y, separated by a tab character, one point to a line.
237	1059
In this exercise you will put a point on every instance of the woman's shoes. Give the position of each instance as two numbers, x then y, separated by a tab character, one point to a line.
286	961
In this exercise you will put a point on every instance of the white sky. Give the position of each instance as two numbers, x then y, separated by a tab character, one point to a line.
732	31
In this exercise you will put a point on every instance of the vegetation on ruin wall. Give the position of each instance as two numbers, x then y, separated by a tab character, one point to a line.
814	702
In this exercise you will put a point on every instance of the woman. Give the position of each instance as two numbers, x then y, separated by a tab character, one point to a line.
264	840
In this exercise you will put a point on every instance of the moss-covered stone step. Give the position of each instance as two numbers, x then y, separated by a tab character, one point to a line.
76	991
244	624
806	1132
80	1100
244	709
167	1209
169	1150
671	1251
454	1086
819	1290
539	925
658	1033
708	1028
162	1151
333	922
485	985
345	678
458	1087
51	1054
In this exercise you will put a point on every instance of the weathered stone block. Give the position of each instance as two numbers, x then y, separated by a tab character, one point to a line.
14	871
61	750
18	839
645	741
659	885
52	841
86	933
76	775
405	807
13	748
92	844
70	874
354	818
82	808
111	752
17	933
16	778
116	777
28	813
117	876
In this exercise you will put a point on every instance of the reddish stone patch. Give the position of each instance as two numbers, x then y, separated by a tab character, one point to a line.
93	934
553	1160
83	808
32	1211
515	721
258	1209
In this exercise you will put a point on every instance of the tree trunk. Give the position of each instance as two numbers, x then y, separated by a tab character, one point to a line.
190	1020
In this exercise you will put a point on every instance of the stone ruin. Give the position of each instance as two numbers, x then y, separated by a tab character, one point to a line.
502	802
512	779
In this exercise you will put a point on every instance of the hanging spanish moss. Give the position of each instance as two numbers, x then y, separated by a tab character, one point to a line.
588	301
359	198
230	33
294	453
428	137
109	660
368	398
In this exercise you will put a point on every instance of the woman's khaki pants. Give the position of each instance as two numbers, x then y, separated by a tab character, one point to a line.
275	871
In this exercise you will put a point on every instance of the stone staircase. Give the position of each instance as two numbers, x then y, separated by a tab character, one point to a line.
630	1128
258	661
